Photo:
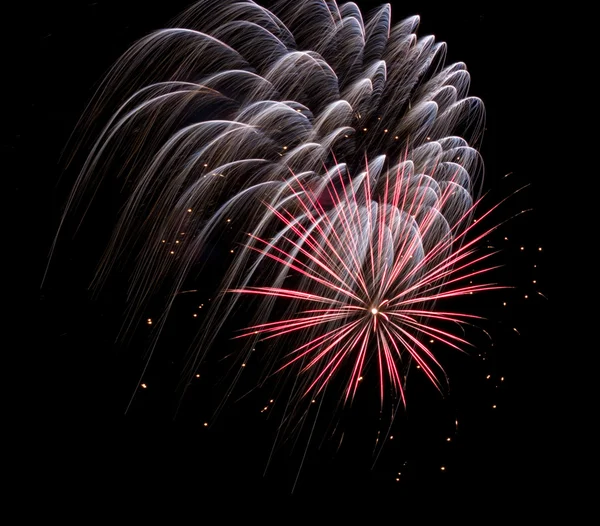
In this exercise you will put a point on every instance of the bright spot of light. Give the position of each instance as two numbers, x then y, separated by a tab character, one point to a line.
374	311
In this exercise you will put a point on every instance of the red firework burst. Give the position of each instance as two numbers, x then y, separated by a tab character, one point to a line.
369	267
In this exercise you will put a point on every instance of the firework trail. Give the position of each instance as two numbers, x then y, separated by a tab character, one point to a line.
344	151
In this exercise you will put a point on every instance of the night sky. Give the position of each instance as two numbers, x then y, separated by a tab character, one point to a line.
482	445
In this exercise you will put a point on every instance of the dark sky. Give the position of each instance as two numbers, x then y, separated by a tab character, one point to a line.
75	382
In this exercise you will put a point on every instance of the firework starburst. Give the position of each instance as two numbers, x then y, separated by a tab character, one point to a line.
345	153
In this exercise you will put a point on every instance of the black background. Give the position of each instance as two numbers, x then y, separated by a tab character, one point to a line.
71	383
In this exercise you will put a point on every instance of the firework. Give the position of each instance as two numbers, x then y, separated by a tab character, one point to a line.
338	156
370	268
